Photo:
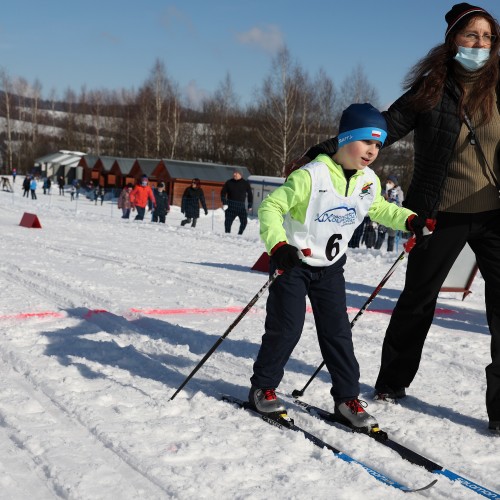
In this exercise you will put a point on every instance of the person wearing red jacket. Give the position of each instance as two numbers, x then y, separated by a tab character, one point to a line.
139	197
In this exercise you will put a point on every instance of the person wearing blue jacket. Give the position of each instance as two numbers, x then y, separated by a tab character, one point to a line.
306	225
33	186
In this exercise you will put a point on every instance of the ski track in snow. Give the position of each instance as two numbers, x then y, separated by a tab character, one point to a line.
59	433
84	410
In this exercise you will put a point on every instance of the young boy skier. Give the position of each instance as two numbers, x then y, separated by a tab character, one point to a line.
316	211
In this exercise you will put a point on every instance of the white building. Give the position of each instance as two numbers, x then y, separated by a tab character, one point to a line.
262	186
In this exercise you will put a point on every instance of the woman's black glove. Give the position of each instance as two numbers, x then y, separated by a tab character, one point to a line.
420	227
286	257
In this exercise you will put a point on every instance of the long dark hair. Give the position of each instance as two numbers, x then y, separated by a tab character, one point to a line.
429	75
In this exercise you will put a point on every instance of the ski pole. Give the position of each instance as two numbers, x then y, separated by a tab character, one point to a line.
306	252
407	247
247	308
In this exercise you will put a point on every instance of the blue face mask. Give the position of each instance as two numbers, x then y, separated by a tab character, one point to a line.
472	58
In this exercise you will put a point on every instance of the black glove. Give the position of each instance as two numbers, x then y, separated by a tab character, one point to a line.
420	227
286	257
206	212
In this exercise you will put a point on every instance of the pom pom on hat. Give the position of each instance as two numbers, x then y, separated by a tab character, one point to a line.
361	122
458	12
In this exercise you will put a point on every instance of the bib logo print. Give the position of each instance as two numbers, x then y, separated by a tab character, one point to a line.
343	216
366	189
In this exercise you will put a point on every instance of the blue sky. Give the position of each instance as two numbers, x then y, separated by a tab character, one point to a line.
111	44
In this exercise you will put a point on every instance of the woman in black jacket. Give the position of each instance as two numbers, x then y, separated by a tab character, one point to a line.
451	106
190	205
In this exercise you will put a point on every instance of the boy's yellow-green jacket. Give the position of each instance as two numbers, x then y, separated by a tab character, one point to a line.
293	196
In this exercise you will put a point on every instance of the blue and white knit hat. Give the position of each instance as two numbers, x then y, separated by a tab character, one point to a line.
361	122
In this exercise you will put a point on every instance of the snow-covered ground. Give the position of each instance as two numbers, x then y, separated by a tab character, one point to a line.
101	319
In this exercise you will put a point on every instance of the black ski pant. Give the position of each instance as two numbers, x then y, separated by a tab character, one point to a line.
140	213
187	220
158	217
286	309
235	209
426	271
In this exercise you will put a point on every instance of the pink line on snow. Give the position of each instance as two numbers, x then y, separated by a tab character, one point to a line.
28	315
237	309
211	310
91	312
196	310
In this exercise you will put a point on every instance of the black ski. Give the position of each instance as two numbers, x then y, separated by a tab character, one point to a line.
404	452
283	421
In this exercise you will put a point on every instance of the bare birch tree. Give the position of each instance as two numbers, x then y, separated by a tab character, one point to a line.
165	111
96	99
220	111
69	136
6	85
356	88
36	94
280	110
124	122
173	120
159	84
325	110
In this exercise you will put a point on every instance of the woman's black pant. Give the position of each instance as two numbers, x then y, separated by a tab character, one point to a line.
427	269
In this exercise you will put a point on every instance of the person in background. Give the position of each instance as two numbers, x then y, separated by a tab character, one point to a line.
451	105
393	194
99	194
356	237
233	195
60	183
77	185
124	201
162	207
192	197
369	232
139	197
6	186
14	174
26	186
316	211
33	185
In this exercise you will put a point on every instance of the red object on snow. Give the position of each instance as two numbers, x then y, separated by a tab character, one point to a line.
30	220
262	263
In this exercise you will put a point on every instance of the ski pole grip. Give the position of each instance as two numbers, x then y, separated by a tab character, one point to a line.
408	246
430	225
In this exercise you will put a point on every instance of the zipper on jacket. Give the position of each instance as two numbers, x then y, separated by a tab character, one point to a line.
348	179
